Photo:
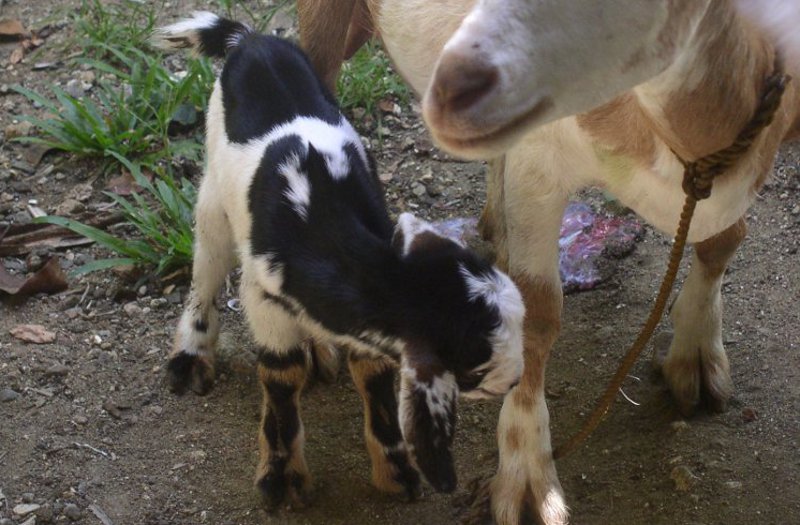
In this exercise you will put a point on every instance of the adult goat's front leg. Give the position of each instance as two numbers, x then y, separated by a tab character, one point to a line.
696	367
526	482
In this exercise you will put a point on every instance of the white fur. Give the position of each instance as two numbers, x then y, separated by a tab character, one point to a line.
505	366
410	227
299	190
779	18
530	464
187	28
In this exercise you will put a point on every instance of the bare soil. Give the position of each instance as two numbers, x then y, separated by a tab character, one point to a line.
94	426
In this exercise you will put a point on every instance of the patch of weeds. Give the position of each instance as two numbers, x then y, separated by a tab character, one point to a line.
131	116
258	16
101	25
367	78
162	216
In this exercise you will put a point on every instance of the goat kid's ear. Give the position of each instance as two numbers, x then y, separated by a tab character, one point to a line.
412	234
428	420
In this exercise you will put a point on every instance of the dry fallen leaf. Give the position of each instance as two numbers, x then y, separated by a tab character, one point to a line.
49	279
33	333
16	56
123	184
11	30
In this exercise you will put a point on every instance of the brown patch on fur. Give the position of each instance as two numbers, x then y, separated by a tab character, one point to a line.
702	119
324	26
622	126
295	375
427	241
514	438
383	471
543	301
715	252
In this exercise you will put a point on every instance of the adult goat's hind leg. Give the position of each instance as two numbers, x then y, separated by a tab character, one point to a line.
374	378
191	363
696	366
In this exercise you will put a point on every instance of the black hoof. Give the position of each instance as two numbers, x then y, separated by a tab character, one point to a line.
190	371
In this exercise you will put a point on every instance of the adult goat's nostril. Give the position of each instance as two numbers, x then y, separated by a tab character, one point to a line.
461	82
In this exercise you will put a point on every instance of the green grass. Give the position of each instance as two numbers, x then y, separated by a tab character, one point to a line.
125	120
368	78
257	13
165	229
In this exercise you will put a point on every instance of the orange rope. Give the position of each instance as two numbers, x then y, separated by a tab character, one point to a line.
698	177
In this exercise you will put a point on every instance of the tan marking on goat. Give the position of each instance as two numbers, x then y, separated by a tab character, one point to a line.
514	438
383	471
716	251
622	126
701	119
543	303
324	26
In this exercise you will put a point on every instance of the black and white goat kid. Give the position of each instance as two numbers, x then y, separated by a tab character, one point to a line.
291	191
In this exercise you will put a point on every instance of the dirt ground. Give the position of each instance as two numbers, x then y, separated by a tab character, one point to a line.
87	423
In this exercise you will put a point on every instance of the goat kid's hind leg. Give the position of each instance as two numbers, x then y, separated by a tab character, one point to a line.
283	366
374	378
191	363
696	367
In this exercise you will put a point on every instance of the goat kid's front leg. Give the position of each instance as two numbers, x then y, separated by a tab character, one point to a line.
392	471
191	363
696	367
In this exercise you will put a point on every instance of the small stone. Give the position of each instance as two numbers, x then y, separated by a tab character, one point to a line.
132	309
74	88
25	509
198	455
80	420
158	302
679	426
57	370
7	395
45	514
27	497
749	414
733	485
72	512
683	477
796	209
418	189
18	129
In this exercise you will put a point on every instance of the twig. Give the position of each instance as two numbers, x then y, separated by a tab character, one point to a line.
621	391
88	287
3	455
101	515
97	450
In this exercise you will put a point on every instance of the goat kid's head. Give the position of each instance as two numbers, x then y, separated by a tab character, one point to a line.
470	343
514	65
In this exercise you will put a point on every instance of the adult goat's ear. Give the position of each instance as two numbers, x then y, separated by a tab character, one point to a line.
412	234
427	409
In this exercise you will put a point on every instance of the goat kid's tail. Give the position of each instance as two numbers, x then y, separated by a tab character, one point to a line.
204	33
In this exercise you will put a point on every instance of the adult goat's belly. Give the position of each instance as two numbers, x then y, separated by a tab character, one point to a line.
415	31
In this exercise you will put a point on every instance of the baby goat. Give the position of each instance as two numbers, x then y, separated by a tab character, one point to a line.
291	190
